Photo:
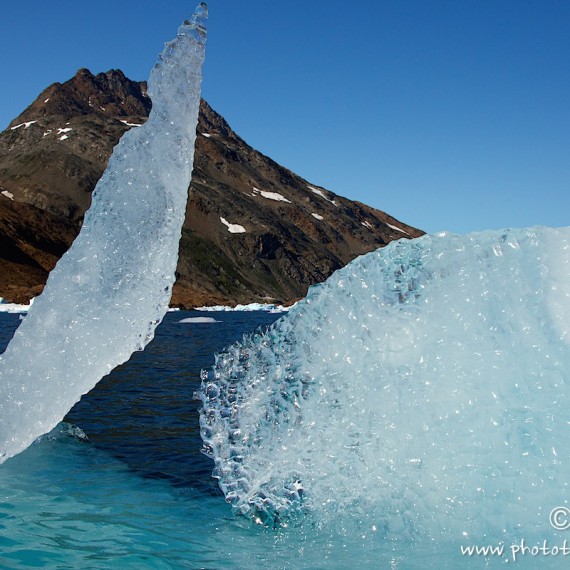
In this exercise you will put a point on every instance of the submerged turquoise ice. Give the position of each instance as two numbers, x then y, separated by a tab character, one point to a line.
420	394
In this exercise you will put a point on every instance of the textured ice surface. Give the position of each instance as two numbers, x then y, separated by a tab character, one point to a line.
108	293
424	389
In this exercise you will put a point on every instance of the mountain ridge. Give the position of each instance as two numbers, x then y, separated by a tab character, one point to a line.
254	231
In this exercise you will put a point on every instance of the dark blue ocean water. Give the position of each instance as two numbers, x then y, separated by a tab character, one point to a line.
144	413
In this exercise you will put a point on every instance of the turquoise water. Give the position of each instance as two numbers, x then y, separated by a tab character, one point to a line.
67	504
122	484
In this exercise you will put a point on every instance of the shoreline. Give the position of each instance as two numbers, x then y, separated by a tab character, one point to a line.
268	307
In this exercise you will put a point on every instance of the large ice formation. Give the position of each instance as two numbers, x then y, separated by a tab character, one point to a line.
108	293
424	388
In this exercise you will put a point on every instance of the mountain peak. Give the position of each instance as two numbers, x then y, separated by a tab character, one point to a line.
110	93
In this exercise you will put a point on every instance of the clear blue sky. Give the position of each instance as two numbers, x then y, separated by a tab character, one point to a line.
450	115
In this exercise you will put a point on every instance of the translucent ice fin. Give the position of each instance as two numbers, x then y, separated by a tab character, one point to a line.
107	294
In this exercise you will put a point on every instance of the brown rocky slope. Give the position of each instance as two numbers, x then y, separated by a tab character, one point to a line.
254	231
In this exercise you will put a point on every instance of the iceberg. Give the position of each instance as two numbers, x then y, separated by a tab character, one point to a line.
108	293
198	320
422	390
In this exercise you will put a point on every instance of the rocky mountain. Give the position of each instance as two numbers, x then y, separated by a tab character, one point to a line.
254	231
